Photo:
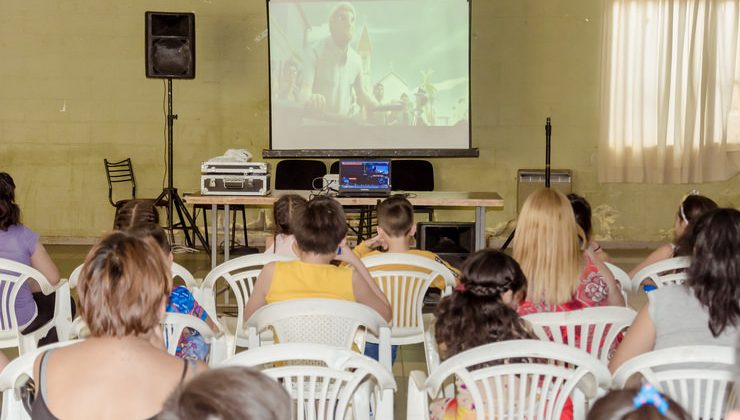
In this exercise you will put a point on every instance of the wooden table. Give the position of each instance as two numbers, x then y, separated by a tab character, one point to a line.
480	200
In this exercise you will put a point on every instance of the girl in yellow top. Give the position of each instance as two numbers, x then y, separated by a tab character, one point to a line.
320	230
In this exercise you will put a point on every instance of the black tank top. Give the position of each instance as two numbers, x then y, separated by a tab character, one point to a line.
39	409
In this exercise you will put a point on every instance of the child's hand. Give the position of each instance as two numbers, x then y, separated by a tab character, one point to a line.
377	242
345	254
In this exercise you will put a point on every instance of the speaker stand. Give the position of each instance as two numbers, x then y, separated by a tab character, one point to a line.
170	196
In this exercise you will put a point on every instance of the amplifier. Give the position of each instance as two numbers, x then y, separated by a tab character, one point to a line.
219	184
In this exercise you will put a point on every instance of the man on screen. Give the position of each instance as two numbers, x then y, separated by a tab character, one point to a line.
332	76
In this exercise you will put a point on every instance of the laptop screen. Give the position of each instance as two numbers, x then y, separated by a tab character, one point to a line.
365	176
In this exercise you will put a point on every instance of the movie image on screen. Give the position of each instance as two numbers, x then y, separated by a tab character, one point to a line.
369	74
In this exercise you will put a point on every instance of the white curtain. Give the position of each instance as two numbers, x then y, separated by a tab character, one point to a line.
668	74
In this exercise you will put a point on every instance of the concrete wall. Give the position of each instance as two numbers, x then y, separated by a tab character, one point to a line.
73	91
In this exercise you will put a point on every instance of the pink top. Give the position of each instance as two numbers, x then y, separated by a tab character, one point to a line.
283	245
593	291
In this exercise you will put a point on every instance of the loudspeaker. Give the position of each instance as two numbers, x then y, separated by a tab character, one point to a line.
170	45
452	241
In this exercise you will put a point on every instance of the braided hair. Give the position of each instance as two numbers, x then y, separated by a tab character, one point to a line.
10	213
476	314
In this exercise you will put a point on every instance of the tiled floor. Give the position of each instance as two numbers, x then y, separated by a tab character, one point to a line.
410	357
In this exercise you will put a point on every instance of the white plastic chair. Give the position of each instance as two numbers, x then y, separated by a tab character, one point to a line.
15	375
174	324
12	276
324	321
240	274
514	379
187	277
323	380
699	378
621	276
68	328
405	291
663	273
594	330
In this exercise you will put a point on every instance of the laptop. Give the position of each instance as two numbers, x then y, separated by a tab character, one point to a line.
364	178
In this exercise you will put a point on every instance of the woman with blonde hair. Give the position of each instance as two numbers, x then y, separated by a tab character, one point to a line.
561	276
122	370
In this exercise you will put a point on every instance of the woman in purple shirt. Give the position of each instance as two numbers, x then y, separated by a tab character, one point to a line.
21	244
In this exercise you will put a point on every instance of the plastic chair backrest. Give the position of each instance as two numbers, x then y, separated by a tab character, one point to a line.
663	273
405	290
518	379
594	330
15	374
173	326
323	321
298	174
240	274
185	275
621	277
412	175
322	380
12	276
699	378
116	172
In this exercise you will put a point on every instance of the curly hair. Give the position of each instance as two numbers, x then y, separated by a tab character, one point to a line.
10	213
714	274
475	314
582	212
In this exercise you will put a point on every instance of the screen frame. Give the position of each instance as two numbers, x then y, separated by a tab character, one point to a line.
470	151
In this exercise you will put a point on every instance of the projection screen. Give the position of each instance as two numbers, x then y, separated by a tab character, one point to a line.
369	74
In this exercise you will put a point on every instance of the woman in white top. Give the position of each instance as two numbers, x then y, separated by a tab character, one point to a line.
703	311
283	210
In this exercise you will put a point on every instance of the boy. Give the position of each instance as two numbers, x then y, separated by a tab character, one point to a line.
320	230
396	227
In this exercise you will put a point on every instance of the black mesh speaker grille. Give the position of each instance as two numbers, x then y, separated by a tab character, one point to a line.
170	45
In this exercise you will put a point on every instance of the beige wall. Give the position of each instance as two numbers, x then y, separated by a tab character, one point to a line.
73	91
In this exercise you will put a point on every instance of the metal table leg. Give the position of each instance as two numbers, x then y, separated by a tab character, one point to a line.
214	235
480	228
226	232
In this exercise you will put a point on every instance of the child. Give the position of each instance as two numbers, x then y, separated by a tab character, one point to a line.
582	211
482	310
396	228
632	404
228	393
320	230
140	218
692	206
283	240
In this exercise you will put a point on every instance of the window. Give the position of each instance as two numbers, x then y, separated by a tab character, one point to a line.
669	114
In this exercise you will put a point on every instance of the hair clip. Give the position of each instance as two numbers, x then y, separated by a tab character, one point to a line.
683	200
649	395
460	288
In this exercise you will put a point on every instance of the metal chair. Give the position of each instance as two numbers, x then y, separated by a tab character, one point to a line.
122	172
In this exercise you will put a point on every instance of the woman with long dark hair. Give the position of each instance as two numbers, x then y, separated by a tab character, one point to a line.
482	310
706	309
20	244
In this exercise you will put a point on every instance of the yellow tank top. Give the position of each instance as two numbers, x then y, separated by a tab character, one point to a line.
299	280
